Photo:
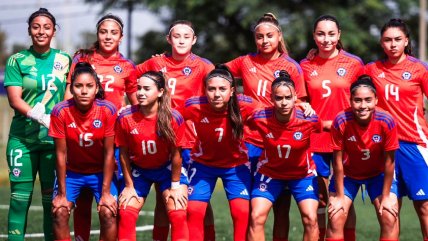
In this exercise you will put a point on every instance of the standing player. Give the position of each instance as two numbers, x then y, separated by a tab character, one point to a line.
185	73
35	82
258	71
364	139
218	118
328	76
117	77
402	81
149	136
286	160
83	131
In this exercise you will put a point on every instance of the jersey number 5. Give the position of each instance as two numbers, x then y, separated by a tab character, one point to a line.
325	86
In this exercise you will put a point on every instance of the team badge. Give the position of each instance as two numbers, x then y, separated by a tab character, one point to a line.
135	173
377	138
190	190
97	123
263	187
341	72
406	75
117	69
16	172
297	135
276	73
187	71
58	66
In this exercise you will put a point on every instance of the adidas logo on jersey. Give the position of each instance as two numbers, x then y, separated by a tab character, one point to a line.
72	125
244	192
270	135
205	120
420	193
314	73
253	70
352	138
309	188
381	75
134	131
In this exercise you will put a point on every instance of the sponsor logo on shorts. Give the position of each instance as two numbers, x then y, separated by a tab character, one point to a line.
420	193
406	75
263	187
244	192
117	69
341	72
97	123
377	138
310	188
297	135
187	71
16	172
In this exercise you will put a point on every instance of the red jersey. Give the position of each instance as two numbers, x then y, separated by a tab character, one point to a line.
184	80
146	148
215	145
116	73
327	83
364	146
286	153
257	76
84	133
400	89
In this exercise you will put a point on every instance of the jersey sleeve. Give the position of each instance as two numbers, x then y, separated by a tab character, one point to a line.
247	106
235	66
110	123
12	75
336	136
143	67
179	128
391	136
57	127
120	130
424	80
131	80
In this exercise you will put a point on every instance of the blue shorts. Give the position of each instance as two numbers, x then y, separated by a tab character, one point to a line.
254	153
236	181
373	185
301	189
144	178
185	155
411	170
322	161
74	182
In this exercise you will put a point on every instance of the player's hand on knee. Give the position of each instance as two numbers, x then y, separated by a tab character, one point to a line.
336	204
388	203
107	200
60	201
177	195
127	195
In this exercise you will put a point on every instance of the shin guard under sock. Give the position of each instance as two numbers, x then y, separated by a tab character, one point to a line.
240	210
127	223
20	201
195	219
179	228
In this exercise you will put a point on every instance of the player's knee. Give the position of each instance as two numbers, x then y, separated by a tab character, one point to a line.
310	220
388	221
258	218
61	216
107	217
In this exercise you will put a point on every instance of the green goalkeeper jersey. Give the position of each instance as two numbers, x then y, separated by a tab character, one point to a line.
43	79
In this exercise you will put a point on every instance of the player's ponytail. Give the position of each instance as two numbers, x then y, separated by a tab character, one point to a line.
234	113
333	19
86	68
270	18
164	116
283	79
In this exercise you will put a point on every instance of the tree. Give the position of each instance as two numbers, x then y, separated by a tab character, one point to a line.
224	27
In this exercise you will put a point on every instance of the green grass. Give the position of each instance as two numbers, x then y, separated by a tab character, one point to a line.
367	226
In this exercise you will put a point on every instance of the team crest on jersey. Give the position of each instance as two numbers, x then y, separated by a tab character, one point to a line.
97	123
187	71
263	187
376	138
297	135
58	66
341	72
276	73
406	75
190	190
16	172
117	69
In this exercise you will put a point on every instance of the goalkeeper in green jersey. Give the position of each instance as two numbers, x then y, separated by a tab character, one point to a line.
35	81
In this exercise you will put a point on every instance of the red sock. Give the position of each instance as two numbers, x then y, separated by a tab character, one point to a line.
333	239
195	219
160	233
240	210
209	233
425	239
179	228
279	239
82	216
349	234
127	223
322	234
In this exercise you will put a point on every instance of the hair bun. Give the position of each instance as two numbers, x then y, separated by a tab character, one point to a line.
43	10
83	65
284	74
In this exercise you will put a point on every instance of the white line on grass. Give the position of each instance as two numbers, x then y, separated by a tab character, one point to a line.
41	235
40	208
